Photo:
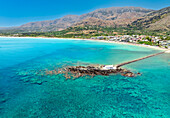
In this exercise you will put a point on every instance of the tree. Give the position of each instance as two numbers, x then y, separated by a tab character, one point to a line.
167	38
161	37
149	39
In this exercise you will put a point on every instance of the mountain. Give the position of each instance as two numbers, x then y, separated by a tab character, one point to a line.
92	21
51	25
119	16
156	20
161	25
114	16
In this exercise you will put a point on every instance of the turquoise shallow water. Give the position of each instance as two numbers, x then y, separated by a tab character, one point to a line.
24	93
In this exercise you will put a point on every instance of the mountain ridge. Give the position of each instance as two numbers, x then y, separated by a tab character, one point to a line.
133	17
116	14
156	20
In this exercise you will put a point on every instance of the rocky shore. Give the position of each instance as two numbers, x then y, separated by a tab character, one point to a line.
73	72
93	71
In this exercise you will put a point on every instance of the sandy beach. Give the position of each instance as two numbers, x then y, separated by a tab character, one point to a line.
122	43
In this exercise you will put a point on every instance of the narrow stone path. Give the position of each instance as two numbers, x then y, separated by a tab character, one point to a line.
125	63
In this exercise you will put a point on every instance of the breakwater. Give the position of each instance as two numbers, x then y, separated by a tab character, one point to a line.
135	60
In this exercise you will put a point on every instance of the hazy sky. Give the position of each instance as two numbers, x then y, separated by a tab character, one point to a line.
17	12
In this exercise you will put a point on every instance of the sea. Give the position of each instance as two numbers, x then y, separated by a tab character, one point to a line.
27	92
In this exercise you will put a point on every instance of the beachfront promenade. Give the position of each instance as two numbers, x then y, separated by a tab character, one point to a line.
128	62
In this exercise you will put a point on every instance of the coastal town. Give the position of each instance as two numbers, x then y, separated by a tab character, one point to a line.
157	41
161	42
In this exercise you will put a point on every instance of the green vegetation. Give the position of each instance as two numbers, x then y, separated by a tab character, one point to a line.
167	38
146	43
149	39
88	32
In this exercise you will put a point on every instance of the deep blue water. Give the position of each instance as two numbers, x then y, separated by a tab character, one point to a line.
24	92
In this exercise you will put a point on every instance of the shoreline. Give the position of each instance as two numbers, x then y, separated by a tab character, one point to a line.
121	43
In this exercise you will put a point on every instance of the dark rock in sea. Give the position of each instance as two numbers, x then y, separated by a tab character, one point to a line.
3	100
39	82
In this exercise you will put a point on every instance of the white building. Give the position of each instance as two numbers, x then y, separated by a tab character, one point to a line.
107	67
100	37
